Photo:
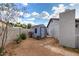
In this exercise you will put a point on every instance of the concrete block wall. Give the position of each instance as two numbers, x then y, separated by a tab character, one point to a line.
12	34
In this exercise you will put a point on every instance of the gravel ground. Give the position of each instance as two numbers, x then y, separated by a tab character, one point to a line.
33	47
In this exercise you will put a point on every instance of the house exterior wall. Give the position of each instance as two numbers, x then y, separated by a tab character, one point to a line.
77	35
67	29
53	29
50	29
56	28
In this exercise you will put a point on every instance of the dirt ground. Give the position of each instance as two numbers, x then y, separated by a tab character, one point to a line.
43	47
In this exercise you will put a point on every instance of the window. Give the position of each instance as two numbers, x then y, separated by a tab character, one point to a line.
35	30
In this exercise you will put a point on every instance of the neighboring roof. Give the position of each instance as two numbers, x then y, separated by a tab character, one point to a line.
76	20
51	20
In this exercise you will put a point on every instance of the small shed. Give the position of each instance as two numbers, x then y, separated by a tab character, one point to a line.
39	31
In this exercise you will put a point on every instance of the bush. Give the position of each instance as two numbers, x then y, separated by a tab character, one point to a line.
1	51
23	36
20	38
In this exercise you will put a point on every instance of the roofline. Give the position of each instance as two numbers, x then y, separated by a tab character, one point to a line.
76	20
51	20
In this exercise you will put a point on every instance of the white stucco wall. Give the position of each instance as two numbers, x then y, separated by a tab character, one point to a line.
53	29
50	29
56	28
77	35
67	29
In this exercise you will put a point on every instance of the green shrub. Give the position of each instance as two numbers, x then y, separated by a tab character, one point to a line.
20	37
1	51
18	40
23	36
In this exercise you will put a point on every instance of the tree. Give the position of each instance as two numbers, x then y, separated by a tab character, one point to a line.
11	24
18	24
24	26
8	14
29	26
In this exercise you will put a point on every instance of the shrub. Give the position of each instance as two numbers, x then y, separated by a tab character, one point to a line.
23	36
1	51
18	40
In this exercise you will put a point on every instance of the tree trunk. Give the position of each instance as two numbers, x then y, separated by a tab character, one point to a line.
4	38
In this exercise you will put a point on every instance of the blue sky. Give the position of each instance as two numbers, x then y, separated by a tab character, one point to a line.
40	13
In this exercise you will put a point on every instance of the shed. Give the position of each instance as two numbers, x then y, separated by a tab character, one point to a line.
39	31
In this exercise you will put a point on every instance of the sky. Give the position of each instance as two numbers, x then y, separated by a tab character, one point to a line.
40	13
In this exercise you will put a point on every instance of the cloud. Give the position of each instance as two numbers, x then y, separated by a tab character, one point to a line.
60	8
31	19
35	14
27	22
21	13
19	19
27	15
76	7
56	10
44	15
54	16
25	4
72	4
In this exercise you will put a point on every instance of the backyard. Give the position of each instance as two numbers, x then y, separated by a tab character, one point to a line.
44	47
20	24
